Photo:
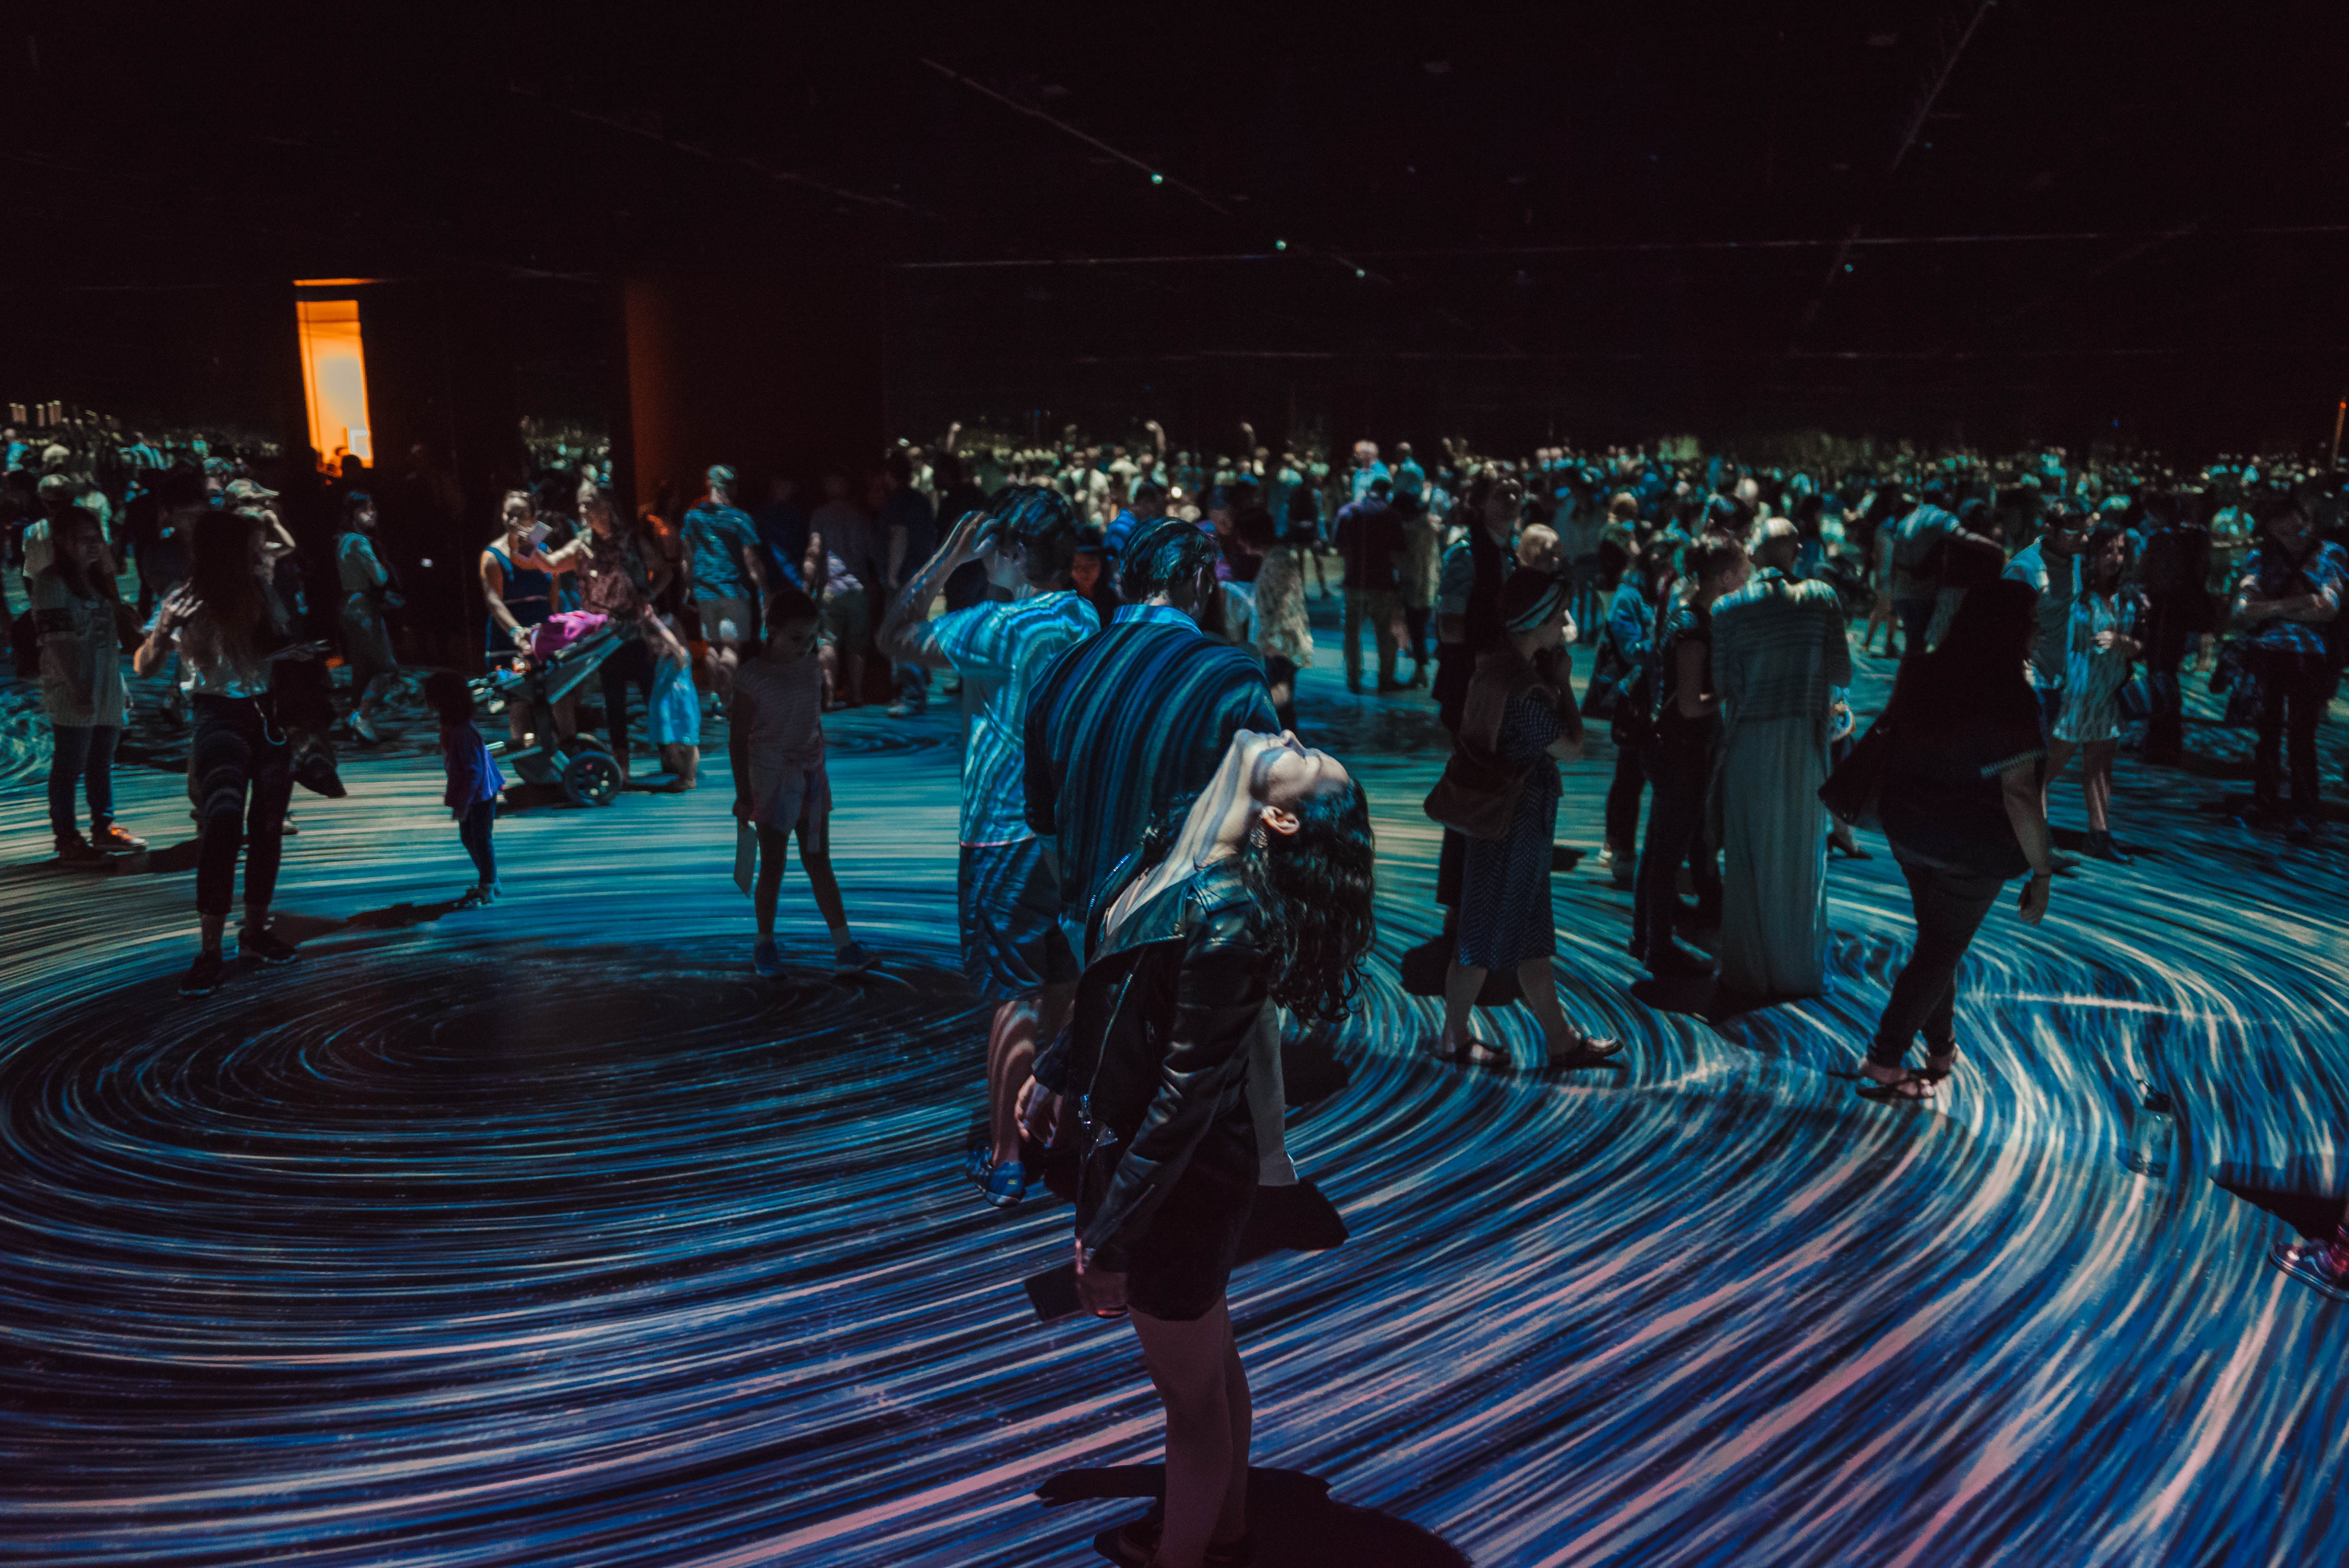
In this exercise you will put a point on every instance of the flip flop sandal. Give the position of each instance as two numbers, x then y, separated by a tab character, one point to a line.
1909	1087
1935	1074
1471	1053
1586	1052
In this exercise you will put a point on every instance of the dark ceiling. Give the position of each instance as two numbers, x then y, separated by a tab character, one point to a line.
1632	217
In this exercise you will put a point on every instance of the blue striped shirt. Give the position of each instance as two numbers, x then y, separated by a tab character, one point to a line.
1124	724
999	649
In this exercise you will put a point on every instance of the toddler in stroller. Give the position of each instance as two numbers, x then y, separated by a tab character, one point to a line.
536	689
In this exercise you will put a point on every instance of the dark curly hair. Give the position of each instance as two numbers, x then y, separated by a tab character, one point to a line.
1312	892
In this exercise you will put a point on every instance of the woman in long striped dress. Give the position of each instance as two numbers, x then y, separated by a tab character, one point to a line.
2103	642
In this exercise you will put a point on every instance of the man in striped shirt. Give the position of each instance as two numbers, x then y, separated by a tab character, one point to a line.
1014	951
1131	721
1122	728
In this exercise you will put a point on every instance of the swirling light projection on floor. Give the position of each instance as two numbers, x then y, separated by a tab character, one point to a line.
549	1234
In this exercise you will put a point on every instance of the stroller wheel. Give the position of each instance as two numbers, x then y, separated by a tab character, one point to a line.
592	779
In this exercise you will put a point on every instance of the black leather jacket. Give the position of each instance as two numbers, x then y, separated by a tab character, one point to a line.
1158	1040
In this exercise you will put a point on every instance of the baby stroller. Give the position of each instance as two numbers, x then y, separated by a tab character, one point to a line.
583	766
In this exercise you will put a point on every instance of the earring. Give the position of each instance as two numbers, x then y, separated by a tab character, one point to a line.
1257	838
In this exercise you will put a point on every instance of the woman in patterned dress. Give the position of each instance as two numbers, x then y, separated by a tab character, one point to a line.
1519	706
1284	637
2103	643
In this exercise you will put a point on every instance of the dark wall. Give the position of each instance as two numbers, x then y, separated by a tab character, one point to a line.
216	356
770	373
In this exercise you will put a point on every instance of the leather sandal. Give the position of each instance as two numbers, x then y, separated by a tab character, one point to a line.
1586	1050
1908	1085
1470	1052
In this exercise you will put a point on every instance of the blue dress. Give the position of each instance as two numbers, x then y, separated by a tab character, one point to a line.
1504	883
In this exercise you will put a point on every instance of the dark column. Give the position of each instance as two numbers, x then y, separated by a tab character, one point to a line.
768	372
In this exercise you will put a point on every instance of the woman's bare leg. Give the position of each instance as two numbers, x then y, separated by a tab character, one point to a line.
1461	984
1193	1366
2096	783
1233	1522
2059	757
1536	979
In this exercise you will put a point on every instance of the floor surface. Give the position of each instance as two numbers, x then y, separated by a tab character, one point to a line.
549	1234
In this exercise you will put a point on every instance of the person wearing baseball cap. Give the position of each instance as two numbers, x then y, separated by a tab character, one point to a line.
60	493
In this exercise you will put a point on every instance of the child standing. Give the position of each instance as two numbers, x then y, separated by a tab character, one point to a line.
473	779
775	741
674	716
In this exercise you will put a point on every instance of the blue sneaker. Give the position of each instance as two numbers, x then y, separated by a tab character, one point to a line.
765	959
1007	1184
975	1165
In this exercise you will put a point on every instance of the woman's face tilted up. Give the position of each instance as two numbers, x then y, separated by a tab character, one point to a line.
1281	772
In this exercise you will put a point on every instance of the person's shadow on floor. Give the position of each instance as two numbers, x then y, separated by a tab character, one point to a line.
1295	1521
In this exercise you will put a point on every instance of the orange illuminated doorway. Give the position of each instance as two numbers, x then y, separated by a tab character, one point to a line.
333	378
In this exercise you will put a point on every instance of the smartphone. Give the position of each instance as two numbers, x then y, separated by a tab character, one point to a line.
537	534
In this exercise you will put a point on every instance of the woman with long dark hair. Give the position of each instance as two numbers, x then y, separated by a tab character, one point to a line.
2101	640
1263	889
227	629
1961	804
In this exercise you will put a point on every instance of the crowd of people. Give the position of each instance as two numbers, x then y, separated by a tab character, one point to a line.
1155	872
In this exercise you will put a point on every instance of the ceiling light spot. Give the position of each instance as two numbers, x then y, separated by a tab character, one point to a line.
1161	179
1280	245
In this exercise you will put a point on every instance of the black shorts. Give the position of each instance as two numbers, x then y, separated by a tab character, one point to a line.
1182	1265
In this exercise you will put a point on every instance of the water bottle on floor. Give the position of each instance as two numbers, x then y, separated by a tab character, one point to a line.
2153	1133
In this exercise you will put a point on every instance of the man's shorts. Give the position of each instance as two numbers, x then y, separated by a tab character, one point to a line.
1012	944
847	619
715	612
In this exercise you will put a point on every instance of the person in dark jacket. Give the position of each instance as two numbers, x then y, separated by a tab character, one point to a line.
1468	626
1262	889
1960	805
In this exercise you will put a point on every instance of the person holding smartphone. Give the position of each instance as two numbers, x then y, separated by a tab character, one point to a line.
517	581
226	629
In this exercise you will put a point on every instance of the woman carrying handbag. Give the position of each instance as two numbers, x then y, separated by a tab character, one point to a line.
1517	720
